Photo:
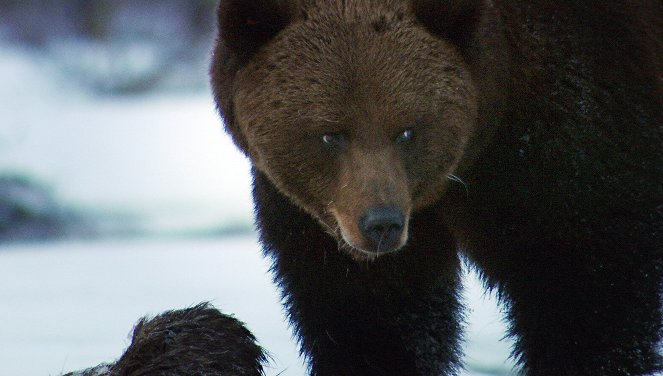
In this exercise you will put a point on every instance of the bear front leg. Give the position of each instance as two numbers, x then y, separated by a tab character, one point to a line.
582	311
397	315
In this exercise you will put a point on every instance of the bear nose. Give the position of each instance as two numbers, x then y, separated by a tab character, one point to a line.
382	227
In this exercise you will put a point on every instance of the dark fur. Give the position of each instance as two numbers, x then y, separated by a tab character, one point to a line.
563	213
395	316
189	342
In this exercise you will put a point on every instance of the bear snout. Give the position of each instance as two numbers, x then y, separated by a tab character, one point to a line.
382	228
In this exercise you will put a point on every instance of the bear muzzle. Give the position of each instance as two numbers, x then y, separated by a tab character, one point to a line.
373	232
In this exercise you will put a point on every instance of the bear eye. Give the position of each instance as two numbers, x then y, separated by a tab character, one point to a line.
332	139
405	136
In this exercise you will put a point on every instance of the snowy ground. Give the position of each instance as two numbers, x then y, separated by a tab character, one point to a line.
70	305
163	162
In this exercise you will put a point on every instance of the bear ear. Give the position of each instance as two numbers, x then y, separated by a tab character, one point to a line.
245	25
454	20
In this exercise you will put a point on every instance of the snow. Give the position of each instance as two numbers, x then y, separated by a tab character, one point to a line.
71	305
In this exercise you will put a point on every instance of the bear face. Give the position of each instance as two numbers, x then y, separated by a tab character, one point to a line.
361	96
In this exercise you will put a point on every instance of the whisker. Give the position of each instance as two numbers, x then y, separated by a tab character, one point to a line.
327	120
329	230
460	181
384	234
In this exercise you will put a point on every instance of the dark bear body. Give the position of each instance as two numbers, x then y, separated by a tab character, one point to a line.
549	113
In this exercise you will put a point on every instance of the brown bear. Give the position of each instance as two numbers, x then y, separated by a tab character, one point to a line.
390	139
189	342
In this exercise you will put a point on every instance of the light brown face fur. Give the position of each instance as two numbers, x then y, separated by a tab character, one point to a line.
362	72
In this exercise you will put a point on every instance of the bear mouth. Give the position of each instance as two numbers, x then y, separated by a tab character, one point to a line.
359	254
380	231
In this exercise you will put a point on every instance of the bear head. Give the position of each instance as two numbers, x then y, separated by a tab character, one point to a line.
359	111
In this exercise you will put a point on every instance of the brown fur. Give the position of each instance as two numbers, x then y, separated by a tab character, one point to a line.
381	83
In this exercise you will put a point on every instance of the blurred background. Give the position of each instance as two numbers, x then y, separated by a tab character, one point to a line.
120	194
107	124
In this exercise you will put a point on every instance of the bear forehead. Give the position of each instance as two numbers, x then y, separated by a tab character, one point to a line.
351	58
352	66
355	10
